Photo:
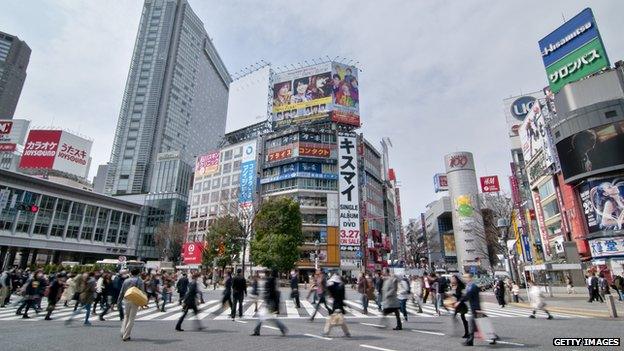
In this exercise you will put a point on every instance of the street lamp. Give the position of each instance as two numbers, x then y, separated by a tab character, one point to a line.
316	253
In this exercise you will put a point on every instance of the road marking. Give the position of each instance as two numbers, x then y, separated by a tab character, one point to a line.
373	325
375	347
427	332
238	321
270	327
308	307
509	343
318	336
291	310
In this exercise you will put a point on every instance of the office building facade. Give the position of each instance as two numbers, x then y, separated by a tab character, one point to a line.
14	57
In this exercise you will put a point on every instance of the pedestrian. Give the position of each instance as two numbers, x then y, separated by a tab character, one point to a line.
294	287
441	288
165	285
433	291
255	291
618	286
499	292
569	284
537	300
416	287
227	292
79	285
31	291
269	312
182	287
54	293
321	290
336	290
378	281
68	290
362	288
239	291
458	286
6	286
390	303
130	309
152	288
604	286
594	288
87	297
403	294
515	290
471	296
427	285
99	291
118	281
107	294
190	303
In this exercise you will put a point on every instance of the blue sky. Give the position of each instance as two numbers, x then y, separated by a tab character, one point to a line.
434	73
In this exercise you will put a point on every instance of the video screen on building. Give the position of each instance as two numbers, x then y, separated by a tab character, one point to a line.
592	151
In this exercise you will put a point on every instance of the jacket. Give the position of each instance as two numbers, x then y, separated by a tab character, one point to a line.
190	299
127	284
389	293
403	289
239	286
87	296
271	294
472	297
336	289
182	285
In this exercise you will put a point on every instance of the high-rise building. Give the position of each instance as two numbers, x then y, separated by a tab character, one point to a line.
174	109
14	57
175	97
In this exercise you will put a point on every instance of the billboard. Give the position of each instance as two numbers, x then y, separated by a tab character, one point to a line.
346	93
248	99
573	51
489	184
516	108
247	175
192	252
603	204
348	188
207	164
449	245
12	133
313	151
440	182
607	247
592	151
56	150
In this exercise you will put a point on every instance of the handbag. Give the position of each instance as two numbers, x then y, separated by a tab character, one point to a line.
336	319
485	329
136	295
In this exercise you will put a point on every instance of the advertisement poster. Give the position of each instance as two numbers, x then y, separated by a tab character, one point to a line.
348	193
247	175
591	151
73	155
449	245
440	182
603	204
298	90
541	223
192	252
12	133
345	88
207	164
40	149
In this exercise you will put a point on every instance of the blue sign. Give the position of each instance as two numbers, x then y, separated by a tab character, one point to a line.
358	254
521	107
298	175
527	248
247	182
573	34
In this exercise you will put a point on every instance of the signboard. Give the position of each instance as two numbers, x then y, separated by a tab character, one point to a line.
40	149
541	223
279	155
348	193
489	184
247	175
573	51
207	164
192	252
440	182
606	247
516	109
314	151
449	245
592	151
56	150
603	204
558	241
73	155
342	117
12	133
290	175
458	160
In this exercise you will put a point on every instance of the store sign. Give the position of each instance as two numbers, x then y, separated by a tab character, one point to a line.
558	241
56	150
348	193
40	149
440	182
207	164
279	155
521	106
7	147
589	59
489	184
606	247
345	118
541	223
192	252
314	151
291	175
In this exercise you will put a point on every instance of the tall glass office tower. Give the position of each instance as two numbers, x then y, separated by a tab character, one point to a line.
14	57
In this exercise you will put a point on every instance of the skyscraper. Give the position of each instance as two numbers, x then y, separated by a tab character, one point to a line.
14	57
174	109
175	97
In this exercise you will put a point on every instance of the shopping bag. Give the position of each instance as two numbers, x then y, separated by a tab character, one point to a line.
485	329
136	296
336	319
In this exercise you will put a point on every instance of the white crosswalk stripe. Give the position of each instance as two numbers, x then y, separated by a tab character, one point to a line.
212	309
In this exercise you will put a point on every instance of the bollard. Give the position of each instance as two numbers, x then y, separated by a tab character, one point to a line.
611	305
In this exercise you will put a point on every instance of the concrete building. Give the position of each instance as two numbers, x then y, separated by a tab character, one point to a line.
175	102
99	181
439	235
14	57
67	224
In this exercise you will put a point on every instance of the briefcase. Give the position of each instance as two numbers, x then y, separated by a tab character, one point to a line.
136	296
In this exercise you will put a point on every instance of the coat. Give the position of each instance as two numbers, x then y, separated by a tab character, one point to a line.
389	293
70	289
190	299
87	296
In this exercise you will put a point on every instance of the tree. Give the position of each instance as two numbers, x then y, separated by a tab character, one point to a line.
223	241
169	239
278	234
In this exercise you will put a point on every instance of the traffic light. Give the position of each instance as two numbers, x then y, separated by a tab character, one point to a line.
32	208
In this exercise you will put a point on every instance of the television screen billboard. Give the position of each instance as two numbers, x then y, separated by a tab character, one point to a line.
573	51
207	164
56	150
592	151
603	203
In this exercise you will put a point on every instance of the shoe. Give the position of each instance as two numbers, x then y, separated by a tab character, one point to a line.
325	334
179	329
47	318
532	316
126	339
550	317
347	335
254	334
284	331
420	311
18	313
466	343
102	319
25	317
466	336
87	323
397	328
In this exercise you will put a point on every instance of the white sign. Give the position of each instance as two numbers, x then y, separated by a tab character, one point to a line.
348	193
12	133
559	244
605	247
73	155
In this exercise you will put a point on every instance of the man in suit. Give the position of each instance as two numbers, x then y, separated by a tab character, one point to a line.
239	290
190	303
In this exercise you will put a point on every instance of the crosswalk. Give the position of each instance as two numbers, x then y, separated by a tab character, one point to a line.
212	309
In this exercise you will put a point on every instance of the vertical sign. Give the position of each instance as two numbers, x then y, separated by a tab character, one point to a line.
247	175
541	223
349	193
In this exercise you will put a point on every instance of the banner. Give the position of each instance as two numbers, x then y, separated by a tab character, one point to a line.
299	89
279	155
207	164
247	175
192	252
314	151
348	193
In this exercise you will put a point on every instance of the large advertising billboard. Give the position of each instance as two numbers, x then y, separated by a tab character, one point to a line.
348	188
207	164
603	204
248	101
56	150
12	133
573	51
516	108
592	151
440	182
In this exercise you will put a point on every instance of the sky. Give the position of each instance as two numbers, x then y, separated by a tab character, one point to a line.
433	73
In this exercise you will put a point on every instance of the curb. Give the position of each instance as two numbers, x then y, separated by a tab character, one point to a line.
569	311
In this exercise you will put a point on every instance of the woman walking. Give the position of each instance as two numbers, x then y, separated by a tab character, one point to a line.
461	308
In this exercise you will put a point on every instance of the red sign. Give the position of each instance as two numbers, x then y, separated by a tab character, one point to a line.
489	184
40	150
7	147
192	252
314	151
345	118
280	155
458	161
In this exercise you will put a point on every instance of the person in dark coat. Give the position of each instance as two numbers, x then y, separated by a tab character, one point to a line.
271	298
239	290
458	287
54	293
182	286
499	291
294	288
32	291
227	292
471	296
190	303
336	289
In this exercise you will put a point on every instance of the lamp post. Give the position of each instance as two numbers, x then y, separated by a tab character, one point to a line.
503	226
316	254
